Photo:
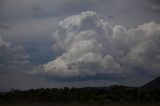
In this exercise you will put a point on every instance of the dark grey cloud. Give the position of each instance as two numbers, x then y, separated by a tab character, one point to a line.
36	8
1	2
12	59
155	2
31	23
154	6
4	27
110	17
14	66
39	54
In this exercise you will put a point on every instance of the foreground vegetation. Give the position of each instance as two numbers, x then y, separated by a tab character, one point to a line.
89	96
73	104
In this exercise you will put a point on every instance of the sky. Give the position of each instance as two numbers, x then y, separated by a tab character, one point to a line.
78	43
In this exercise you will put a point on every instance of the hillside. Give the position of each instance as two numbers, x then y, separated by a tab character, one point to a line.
154	84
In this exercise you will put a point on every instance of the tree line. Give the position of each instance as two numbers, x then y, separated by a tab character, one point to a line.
88	95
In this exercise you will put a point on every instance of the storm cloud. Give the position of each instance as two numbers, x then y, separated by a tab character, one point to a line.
154	6
90	46
12	58
120	45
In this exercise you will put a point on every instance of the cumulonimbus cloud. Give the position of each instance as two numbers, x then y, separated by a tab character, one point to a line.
91	46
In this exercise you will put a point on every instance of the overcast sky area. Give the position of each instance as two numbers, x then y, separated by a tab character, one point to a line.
78	43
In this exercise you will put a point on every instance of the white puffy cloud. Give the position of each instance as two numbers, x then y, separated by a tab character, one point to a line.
90	46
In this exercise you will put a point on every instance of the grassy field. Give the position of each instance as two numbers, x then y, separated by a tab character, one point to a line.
52	104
